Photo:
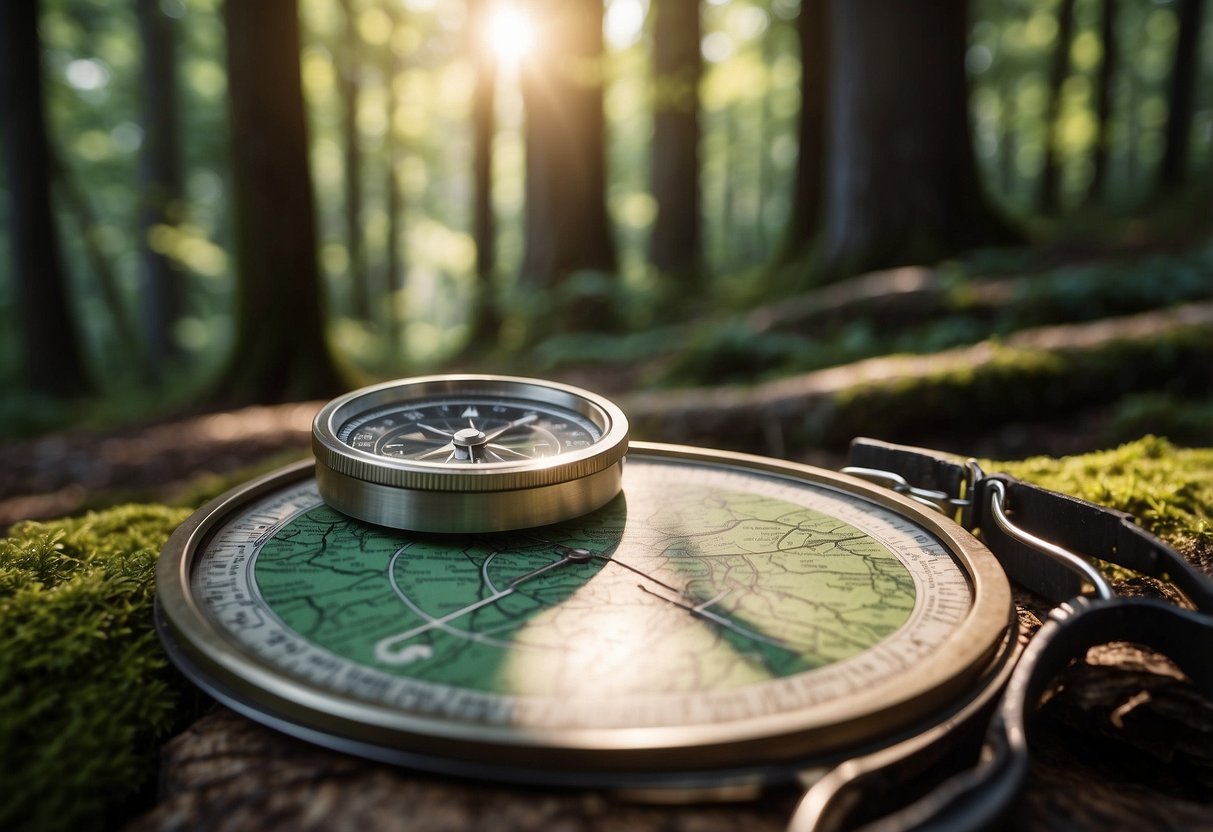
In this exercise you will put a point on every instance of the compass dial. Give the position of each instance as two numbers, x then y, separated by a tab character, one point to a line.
722	611
469	453
473	430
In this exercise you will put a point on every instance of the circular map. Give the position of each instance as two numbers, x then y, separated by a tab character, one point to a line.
702	593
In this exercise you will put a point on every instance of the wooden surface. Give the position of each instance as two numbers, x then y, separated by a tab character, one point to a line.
1124	743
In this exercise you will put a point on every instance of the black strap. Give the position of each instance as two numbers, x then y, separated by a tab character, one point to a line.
1077	525
984	794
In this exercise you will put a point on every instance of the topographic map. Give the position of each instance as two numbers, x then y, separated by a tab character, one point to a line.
682	583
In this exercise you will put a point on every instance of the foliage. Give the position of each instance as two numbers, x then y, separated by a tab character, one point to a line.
727	348
1182	420
86	693
1015	383
1168	489
414	70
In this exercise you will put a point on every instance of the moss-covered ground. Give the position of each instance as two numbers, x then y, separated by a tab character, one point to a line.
87	695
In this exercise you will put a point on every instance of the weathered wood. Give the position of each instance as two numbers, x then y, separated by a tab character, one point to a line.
229	773
773	415
61	473
893	298
1102	762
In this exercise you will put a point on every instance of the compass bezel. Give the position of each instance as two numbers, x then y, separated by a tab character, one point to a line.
438	496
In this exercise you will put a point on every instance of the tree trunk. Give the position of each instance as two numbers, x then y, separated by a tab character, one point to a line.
485	319
808	189
161	179
349	71
76	205
280	352
1008	143
1181	96
567	229
394	268
52	362
675	246
1103	103
901	181
1050	176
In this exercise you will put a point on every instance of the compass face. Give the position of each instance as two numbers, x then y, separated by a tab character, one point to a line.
713	606
470	430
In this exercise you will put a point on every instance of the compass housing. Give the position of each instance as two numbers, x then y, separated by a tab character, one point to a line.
461	494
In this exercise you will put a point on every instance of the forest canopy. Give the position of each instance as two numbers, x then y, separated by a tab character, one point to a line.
480	182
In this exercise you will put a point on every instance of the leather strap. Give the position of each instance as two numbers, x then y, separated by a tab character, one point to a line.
1084	528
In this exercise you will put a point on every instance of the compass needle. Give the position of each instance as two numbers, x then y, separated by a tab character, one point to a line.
446	451
436	431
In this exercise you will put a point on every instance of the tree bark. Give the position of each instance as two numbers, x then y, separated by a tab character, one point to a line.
1103	103
52	362
280	352
901	181
812	26
1050	176
395	203
567	229
485	319
349	74
675	245
161	179
1181	96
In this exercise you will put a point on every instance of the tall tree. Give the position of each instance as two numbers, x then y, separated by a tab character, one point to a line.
675	247
1108	66
280	352
161	183
394	262
808	188
562	82
485	319
901	180
1059	70
52	361
349	73
1181	95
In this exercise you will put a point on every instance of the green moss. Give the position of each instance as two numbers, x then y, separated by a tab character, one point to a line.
1168	489
1013	383
86	693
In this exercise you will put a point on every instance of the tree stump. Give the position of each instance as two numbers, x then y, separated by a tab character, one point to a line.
1123	742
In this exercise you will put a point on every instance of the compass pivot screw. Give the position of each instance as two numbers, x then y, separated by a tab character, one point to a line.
469	438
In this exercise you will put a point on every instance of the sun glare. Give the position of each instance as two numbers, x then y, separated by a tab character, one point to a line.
511	34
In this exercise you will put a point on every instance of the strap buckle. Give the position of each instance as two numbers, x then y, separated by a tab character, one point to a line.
959	507
964	509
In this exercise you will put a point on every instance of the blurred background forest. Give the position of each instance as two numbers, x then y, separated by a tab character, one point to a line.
211	205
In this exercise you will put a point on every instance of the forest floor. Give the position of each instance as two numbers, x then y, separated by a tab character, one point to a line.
1056	389
179	461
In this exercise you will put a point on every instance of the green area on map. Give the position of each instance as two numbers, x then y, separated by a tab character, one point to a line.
677	587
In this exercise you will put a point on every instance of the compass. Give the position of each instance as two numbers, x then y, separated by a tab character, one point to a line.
468	453
722	618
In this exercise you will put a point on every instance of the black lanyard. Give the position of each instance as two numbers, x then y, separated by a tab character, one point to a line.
1043	540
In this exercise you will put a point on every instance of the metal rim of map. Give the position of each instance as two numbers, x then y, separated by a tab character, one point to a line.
920	698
